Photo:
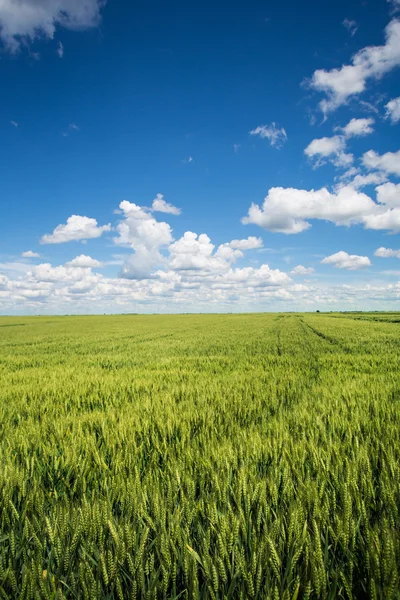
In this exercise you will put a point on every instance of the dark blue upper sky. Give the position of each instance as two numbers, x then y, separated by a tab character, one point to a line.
161	98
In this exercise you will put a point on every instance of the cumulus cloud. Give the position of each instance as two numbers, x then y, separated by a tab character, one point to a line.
29	19
358	127
358	180
86	262
343	260
389	194
350	25
30	254
145	235
194	251
387	253
300	270
45	272
332	148
66	289
276	135
249	243
76	228
393	110
261	277
371	62
289	210
160	205
388	162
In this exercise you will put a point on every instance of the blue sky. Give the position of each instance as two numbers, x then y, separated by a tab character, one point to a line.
199	157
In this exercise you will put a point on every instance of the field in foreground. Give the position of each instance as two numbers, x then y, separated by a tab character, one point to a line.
225	457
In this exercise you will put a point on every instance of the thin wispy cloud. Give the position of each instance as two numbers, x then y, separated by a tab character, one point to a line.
351	26
276	136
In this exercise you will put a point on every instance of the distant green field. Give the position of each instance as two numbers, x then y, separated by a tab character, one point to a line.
213	456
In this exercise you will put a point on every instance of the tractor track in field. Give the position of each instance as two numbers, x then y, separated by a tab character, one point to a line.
324	336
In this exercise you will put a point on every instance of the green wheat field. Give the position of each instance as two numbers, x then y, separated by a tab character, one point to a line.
200	456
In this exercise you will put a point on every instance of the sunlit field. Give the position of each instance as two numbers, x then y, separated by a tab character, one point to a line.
205	456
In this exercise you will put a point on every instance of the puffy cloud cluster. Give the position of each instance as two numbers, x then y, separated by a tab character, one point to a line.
358	180
29	19
371	62
387	253
79	287
358	127
343	260
393	110
301	270
61	289
388	163
77	228
290	210
145	235
196	252
334	148
160	205
329	147
86	262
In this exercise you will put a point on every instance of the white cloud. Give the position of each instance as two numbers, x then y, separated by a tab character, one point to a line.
387	253
14	124
358	127
236	148
77	228
332	148
389	162
359	180
46	273
393	110
249	243
371	62
145	235
160	205
86	262
30	19
64	289
389	220
60	49
30	254
350	25
343	260
194	251
287	210
276	136
300	270
389	194
261	277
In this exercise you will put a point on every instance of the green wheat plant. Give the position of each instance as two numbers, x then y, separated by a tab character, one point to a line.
200	457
